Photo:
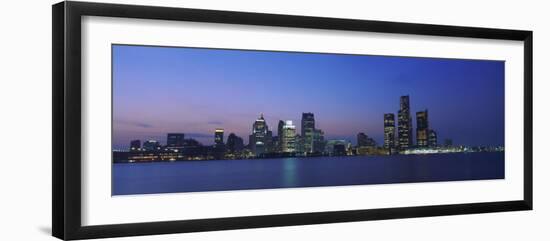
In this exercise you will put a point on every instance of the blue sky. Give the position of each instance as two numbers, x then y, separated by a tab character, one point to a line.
194	90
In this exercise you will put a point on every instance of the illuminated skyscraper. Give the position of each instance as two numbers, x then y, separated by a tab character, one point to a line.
404	124
389	131
308	131
432	138
218	136
289	137
175	140
257	140
422	130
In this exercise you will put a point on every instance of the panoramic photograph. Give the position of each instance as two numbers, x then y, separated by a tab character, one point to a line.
202	119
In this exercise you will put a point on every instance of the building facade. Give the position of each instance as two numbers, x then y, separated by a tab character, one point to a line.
280	134
151	145
389	131
175	140
257	140
432	138
318	141
289	137
404	124
234	143
218	136
422	129
362	139
308	131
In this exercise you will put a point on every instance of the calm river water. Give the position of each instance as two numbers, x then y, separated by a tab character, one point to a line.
220	175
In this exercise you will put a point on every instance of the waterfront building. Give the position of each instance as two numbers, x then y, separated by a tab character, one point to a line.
389	131
365	140
268	140
234	144
257	140
422	129
299	146
404	124
275	144
307	131
151	145
339	150
318	141
432	138
135	145
289	137
175	140
280	136
337	147
218	136
362	139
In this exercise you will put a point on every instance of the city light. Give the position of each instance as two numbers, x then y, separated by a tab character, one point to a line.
309	142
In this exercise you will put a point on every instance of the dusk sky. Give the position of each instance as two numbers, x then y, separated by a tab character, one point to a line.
157	90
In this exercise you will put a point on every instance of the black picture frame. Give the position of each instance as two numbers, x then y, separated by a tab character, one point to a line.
66	159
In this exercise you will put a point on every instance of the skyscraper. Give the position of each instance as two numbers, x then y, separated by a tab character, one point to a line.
389	131
218	136
422	128
432	138
234	143
280	134
307	131
289	137
404	124
268	142
257	140
175	140
318	141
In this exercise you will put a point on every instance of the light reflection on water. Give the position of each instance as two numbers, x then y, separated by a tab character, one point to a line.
225	175
289	172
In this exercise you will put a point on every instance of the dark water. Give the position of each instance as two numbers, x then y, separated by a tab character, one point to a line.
196	176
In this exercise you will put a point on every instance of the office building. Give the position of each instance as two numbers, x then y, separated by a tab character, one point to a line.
280	135
404	124
432	138
289	137
422	130
234	144
218	136
151	145
257	140
318	141
389	131
362	139
307	131
175	140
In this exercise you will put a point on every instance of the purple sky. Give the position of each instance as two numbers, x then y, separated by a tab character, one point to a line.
157	90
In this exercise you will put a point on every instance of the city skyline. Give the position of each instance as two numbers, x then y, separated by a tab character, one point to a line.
160	90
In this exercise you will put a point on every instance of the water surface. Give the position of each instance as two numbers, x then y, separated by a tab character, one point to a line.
222	175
